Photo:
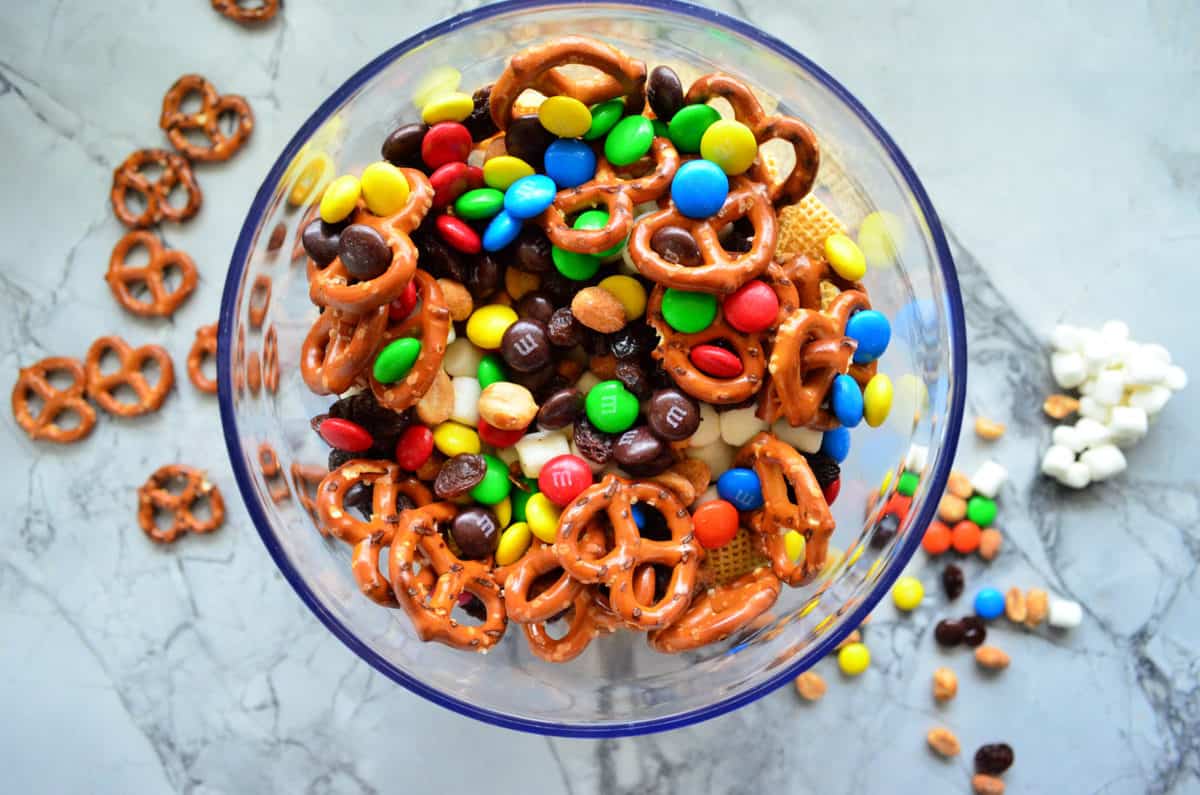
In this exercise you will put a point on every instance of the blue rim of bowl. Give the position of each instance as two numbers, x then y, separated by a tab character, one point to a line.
823	647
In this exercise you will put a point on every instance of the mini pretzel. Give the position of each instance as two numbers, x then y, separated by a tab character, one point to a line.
778	465
747	109
270	360
176	123
253	372
235	11
153	496
268	464
259	301
122	277
100	387
35	379
306	478
618	194
585	620
331	287
518	580
175	171
364	558
674	347
432	322
721	272
338	347
719	612
203	346
616	568
430	605
537	68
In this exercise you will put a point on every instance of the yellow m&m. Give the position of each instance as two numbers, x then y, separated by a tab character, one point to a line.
514	542
500	172
845	257
907	593
340	198
565	116
629	292
452	438
542	516
384	188
877	400
854	658
730	145
487	325
451	106
793	545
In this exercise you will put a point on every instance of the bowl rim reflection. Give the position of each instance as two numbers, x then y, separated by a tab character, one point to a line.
238	458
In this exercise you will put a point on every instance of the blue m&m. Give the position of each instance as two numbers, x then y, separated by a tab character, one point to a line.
529	196
989	603
872	332
846	400
742	488
639	516
569	162
836	444
502	230
699	188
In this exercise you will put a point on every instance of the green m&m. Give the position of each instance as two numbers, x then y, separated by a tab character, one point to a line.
611	407
629	141
597	219
907	485
495	485
688	126
520	496
660	128
604	118
395	360
475	205
490	370
575	266
981	510
688	312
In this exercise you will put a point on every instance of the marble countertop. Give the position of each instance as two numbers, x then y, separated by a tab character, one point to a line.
1058	143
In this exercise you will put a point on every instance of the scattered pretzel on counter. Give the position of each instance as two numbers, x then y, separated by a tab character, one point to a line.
176	123
154	496
128	178
130	361
247	14
204	346
34	381
121	277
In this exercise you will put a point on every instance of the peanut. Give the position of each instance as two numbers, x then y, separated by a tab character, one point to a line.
988	429
1014	605
943	741
810	685
951	509
987	785
945	684
1059	407
598	309
991	658
458	299
518	282
507	406
437	404
959	485
989	543
1037	605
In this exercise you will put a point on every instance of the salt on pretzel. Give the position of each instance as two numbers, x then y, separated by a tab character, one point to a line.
722	272
718	612
175	122
540	68
779	466
432	323
100	386
121	276
337	348
430	601
154	496
787	189
175	171
331	286
34	380
616	567
618	193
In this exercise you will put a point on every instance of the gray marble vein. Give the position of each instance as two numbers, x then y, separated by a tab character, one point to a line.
1057	141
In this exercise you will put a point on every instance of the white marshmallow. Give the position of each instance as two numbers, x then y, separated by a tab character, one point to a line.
988	479
1157	352
586	382
709	429
1110	388
1064	614
1088	386
1151	399
1115	330
1066	339
718	456
917	458
1104	461
1142	369
1066	436
462	358
1069	369
740	425
466	400
535	449
1128	423
1176	378
1076	476
1098	353
709	495
1056	460
1092	409
507	454
806	440
1091	433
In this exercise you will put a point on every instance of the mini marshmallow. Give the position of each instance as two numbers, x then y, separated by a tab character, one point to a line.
1142	369
1092	409
1155	351
709	429
917	458
1104	461
1064	614
1098	353
1176	379
1151	399
989	478
1069	369
1128	423
1115	331
1056	460
586	382
1110	388
740	425
507	454
466	400
1076	476
806	440
535	449
1066	339
1092	433
1087	387
462	358
1066	436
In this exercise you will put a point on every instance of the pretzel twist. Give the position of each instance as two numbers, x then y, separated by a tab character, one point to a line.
129	373
270	360
432	323
338	347
121	277
213	106
719	612
34	380
246	16
259	301
153	496
175	171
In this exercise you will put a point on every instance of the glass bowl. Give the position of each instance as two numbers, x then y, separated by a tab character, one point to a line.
619	686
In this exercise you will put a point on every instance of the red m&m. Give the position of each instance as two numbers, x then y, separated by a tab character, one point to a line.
716	361
832	491
458	234
715	523
453	180
496	437
345	435
403	304
752	308
414	447
446	142
563	478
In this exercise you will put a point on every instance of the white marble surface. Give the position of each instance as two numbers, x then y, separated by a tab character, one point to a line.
1059	143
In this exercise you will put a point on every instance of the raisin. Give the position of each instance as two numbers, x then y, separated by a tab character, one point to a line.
633	376
459	475
824	467
479	123
563	329
593	444
994	758
953	581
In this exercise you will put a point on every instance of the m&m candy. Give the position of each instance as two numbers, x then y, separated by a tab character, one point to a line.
563	478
